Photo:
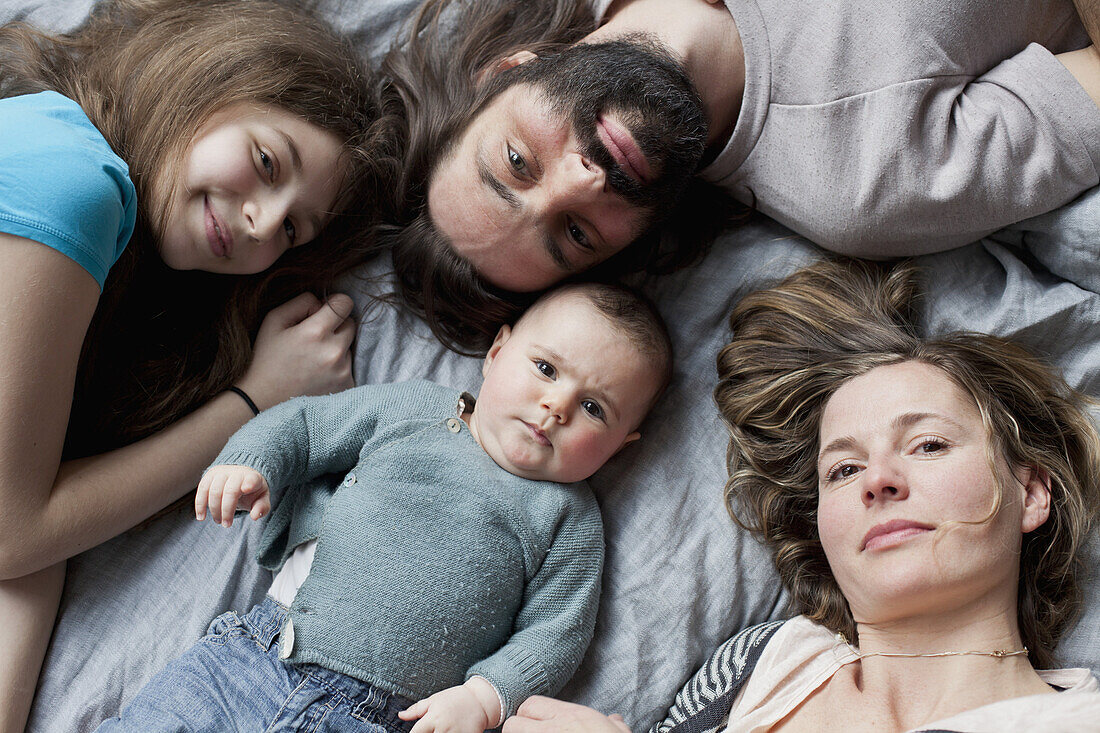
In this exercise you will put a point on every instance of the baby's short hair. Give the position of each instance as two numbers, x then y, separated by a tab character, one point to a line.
633	314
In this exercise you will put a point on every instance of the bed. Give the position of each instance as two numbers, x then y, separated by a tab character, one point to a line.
680	576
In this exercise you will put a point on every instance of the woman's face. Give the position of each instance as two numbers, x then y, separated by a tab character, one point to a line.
903	461
254	182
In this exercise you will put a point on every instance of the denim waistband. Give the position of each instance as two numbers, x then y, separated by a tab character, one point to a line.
265	621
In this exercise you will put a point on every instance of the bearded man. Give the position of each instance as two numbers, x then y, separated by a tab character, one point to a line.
544	140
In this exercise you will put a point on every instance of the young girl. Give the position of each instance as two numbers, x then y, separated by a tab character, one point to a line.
162	145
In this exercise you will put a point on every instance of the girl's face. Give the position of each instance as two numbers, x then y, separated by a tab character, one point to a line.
254	182
903	462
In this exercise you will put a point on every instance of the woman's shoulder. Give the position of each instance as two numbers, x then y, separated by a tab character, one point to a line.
61	184
1076	709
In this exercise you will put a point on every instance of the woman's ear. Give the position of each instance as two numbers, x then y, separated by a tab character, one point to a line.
502	336
508	62
1036	499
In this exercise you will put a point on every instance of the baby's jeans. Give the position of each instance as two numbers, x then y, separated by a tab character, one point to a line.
233	680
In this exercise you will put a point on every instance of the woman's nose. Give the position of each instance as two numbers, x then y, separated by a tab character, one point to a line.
883	480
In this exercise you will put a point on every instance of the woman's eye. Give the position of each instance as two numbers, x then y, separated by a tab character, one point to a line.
842	472
519	165
932	446
269	167
577	235
291	233
545	368
592	408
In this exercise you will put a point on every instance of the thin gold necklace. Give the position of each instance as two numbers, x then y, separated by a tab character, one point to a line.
998	653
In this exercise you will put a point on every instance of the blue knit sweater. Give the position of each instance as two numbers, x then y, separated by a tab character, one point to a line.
433	563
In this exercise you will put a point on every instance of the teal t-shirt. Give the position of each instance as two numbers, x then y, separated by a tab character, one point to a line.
61	184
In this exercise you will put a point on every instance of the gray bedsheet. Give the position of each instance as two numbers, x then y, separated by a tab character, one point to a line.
680	577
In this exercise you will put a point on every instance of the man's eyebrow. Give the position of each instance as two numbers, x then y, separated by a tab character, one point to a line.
492	182
553	249
295	159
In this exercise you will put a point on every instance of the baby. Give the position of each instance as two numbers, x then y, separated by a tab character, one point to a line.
456	563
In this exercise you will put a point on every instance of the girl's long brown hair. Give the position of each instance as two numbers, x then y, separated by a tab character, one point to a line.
794	345
149	73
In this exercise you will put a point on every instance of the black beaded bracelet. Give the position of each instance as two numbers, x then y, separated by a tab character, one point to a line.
244	396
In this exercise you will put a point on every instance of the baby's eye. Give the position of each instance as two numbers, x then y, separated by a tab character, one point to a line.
269	167
545	368
291	233
592	408
519	165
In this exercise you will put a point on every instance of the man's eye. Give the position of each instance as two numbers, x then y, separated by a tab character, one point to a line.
269	167
592	408
545	368
519	165
577	235
291	233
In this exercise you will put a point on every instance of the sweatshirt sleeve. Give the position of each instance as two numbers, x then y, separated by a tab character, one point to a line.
555	624
929	164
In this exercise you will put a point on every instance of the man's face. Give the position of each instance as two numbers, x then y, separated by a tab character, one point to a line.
576	157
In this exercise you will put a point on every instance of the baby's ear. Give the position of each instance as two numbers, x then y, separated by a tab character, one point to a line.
502	337
629	439
508	62
1036	498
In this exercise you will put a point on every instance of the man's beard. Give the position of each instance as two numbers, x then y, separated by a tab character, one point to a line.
647	89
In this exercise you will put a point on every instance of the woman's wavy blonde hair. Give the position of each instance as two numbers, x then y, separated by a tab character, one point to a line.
795	344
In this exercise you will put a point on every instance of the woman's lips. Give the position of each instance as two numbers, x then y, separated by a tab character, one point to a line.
539	436
218	236
620	143
894	532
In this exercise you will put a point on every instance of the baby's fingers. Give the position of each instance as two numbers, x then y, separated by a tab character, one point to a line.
201	494
414	711
214	496
230	495
261	507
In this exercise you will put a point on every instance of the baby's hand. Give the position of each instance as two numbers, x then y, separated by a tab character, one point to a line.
225	488
470	708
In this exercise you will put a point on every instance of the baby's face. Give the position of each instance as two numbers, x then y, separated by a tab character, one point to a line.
563	392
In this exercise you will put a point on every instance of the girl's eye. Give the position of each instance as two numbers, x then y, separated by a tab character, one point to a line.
519	165
288	227
545	368
269	167
843	471
577	235
592	408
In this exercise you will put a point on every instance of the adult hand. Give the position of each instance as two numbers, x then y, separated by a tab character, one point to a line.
547	715
303	348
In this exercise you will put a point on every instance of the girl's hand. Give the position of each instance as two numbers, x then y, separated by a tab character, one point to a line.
226	488
303	348
547	715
